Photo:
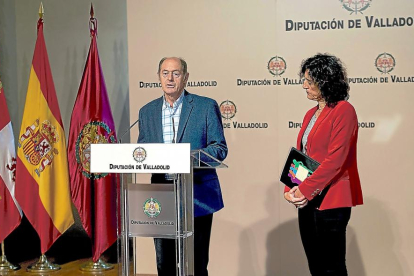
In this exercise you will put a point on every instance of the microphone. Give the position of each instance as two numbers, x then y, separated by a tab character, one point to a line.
172	176
173	140
126	131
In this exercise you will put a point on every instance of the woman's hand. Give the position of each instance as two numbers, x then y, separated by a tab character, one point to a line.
295	197
298	193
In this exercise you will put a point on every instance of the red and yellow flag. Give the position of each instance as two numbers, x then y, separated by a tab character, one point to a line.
42	182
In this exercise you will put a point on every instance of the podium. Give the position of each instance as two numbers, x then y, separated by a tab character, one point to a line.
156	210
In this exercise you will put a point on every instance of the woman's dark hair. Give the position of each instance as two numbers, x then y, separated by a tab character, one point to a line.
329	75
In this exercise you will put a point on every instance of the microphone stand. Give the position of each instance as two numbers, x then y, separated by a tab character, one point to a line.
123	209
126	131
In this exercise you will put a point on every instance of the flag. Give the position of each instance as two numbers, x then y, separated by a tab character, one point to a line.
10	212
42	181
94	195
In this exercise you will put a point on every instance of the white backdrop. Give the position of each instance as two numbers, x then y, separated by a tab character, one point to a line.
229	45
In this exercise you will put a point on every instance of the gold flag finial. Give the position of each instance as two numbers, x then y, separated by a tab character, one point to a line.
92	13
41	10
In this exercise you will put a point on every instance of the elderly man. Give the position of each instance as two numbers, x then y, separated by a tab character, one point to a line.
181	117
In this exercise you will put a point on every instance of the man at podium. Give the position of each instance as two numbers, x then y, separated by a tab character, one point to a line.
180	117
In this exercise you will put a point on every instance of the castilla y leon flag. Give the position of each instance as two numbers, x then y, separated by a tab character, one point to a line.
94	195
10	212
42	180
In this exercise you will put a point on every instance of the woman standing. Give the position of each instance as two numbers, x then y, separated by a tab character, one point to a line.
329	135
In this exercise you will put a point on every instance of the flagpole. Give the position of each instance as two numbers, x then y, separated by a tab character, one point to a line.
42	265
99	265
5	265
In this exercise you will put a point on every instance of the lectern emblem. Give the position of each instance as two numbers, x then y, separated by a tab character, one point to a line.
139	154
152	207
385	63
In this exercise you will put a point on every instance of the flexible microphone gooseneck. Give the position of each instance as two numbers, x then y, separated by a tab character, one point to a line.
126	131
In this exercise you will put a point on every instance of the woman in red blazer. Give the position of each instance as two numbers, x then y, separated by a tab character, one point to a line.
329	135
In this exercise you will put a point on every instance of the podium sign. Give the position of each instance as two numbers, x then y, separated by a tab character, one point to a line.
140	158
152	213
157	210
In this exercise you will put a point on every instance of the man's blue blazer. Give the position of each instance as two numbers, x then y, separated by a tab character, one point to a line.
201	126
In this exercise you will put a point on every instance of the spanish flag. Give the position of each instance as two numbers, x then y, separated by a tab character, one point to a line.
42	181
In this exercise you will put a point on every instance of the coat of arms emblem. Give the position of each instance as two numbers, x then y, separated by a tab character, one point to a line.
94	132
356	6
385	63
228	110
38	144
139	154
276	66
152	207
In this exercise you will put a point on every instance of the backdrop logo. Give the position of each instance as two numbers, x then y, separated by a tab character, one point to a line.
152	207
139	154
228	110
385	63
276	66
356	6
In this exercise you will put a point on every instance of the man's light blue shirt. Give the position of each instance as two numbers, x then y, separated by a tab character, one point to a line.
171	119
